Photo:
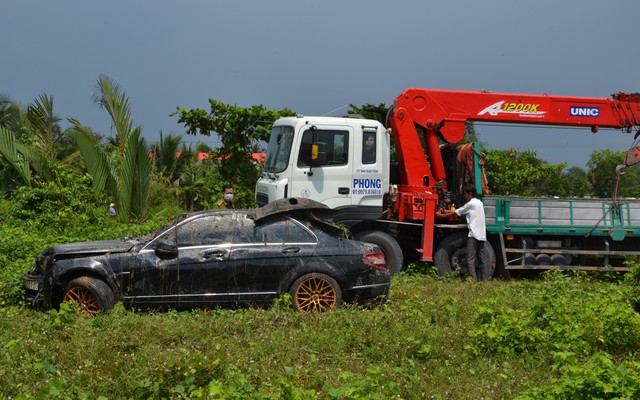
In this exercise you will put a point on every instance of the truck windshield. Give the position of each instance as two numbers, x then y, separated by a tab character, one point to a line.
279	149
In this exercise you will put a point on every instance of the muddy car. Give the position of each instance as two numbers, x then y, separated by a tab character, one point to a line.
216	258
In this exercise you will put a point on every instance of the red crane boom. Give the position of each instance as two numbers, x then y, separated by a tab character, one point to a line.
444	113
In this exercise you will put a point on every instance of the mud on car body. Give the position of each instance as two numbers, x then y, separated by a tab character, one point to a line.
216	258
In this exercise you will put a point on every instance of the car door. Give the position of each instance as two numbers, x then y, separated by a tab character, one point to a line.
195	275
203	254
263	253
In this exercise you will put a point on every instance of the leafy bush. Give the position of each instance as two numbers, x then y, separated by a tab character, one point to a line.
18	248
632	281
68	202
597	378
561	315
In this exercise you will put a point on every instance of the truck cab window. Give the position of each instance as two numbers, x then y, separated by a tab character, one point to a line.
369	148
279	149
336	147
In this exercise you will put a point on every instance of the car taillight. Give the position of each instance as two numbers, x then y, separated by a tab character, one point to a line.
376	260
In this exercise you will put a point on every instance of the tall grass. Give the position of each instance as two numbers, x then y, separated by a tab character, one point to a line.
561	337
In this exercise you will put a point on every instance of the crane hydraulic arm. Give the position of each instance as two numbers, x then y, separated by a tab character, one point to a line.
444	113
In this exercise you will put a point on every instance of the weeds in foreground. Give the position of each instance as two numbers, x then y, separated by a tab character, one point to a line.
441	339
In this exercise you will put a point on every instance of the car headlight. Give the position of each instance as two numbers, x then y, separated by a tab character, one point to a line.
31	284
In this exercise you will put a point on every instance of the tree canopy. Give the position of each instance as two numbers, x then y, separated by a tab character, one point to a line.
240	129
602	174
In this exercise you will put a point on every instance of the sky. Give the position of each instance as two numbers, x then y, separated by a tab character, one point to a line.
317	57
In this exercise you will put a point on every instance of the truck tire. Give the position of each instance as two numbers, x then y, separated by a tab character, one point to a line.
91	295
558	259
389	245
451	254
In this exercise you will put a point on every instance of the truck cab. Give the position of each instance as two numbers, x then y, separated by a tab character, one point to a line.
342	162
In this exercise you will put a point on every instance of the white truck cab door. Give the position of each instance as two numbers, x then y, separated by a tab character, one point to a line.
369	181
328	181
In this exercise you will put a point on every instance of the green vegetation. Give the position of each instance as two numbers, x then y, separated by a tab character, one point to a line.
241	131
139	178
32	139
556	338
125	173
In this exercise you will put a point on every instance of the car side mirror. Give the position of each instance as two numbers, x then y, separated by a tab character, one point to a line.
166	249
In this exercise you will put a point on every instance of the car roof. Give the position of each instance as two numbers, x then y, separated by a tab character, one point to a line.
289	205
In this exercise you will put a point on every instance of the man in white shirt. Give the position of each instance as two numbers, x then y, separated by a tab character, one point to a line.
473	210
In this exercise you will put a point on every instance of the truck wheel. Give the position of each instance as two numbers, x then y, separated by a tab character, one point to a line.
389	245
92	295
451	254
315	292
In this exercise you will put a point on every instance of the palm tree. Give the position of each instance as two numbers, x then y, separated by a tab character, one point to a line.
30	138
15	153
45	125
7	111
169	155
192	185
124	174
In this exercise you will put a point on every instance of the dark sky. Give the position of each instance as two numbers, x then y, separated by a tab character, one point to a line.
316	57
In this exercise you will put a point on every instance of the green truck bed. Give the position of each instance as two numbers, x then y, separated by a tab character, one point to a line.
535	216
546	233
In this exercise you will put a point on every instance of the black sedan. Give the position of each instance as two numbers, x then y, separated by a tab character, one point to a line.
216	258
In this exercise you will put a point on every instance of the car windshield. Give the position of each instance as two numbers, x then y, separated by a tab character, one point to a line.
279	149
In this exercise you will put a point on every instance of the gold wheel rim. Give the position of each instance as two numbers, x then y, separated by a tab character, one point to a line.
315	294
87	302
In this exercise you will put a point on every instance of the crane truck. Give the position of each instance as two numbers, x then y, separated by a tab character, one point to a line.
347	164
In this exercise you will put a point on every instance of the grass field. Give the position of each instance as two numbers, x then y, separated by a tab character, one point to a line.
557	337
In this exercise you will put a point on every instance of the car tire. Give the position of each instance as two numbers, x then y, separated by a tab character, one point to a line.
92	295
451	254
315	292
390	247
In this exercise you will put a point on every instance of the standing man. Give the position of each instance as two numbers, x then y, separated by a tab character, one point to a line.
227	197
473	210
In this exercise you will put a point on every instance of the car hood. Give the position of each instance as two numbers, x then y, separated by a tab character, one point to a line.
95	247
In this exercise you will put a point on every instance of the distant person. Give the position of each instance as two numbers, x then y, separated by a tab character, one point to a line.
473	210
227	197
112	209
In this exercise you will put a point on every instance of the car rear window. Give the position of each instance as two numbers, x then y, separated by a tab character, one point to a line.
275	230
